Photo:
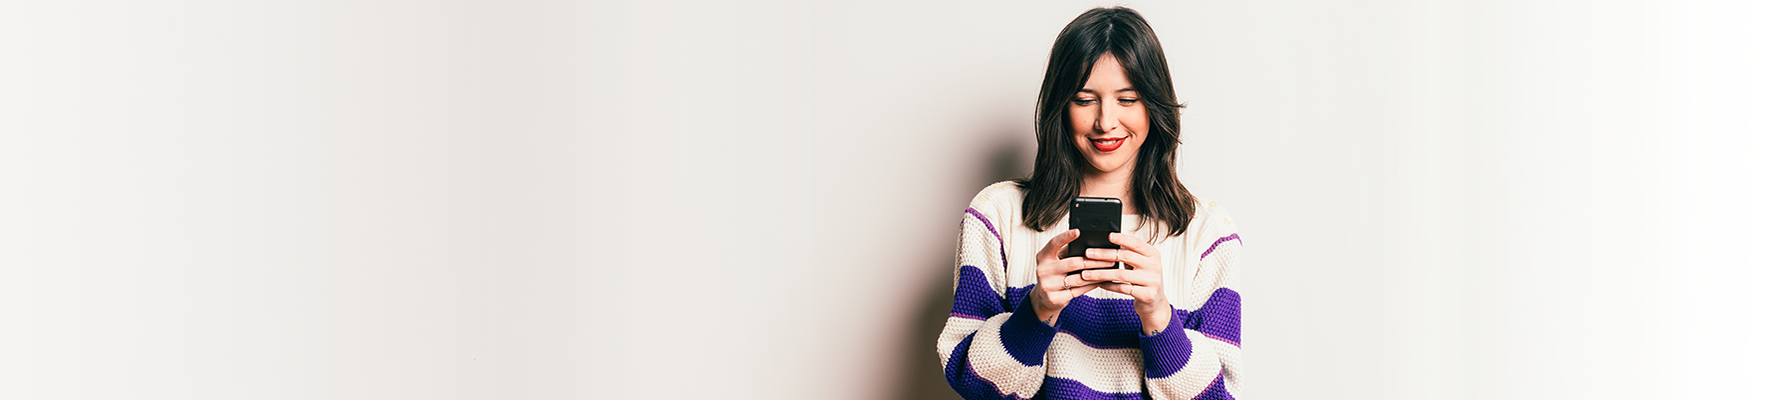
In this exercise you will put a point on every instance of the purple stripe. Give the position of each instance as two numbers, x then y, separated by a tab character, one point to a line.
974	317
1165	353
1215	391
1101	323
1233	343
1025	337
1060	388
1113	323
974	295
1098	323
1098	345
1016	297
964	379
1220	318
1214	244
997	234
971	385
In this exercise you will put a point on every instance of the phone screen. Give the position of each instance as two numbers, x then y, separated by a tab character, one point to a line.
1095	217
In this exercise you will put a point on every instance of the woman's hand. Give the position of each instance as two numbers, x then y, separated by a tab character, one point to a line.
1058	282
1143	282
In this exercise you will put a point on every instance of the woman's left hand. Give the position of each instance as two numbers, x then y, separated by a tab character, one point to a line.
1143	281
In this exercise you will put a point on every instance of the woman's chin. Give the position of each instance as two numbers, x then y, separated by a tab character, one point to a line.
1107	167
1104	163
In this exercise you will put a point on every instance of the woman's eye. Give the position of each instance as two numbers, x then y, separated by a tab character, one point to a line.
1083	102
1128	101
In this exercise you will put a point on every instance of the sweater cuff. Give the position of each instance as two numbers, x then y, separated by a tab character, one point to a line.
1025	337
1166	352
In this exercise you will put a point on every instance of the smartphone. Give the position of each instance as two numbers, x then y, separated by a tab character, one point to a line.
1095	217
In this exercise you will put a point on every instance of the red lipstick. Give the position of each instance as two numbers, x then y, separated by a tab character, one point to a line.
1108	145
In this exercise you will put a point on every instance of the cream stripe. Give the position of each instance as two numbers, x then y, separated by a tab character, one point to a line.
956	328
1098	293
980	249
989	359
1231	356
1106	370
1193	378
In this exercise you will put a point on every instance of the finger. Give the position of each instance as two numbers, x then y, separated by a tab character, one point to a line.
1103	275
1130	276
1131	258
1055	246
1077	280
1140	294
1138	262
1057	242
1060	282
1097	275
1087	266
1081	290
1108	255
1120	288
1083	264
1132	243
1061	266
1071	281
1108	258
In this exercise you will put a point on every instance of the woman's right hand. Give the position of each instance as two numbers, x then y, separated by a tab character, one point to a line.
1058	280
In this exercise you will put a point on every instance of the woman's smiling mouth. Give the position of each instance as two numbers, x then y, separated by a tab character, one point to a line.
1108	145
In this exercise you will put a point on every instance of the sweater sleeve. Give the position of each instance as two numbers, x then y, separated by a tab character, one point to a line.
1202	359
993	344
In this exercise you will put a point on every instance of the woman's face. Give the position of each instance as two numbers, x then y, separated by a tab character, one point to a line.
1109	120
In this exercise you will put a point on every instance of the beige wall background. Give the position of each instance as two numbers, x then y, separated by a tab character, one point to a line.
1441	199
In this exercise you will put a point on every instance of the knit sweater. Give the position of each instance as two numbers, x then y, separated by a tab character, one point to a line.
994	347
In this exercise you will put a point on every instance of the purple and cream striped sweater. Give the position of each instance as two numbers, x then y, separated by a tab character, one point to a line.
994	347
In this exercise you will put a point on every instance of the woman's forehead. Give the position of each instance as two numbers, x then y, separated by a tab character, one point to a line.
1107	75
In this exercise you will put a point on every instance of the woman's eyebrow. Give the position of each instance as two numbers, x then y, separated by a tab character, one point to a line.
1115	91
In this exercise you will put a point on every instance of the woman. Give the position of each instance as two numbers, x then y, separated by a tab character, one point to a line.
1038	324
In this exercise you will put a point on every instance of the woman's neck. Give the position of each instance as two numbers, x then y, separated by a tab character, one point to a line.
1115	184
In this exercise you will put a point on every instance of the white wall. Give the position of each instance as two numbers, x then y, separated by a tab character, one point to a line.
1452	199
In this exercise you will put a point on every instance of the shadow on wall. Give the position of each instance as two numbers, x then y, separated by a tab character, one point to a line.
922	376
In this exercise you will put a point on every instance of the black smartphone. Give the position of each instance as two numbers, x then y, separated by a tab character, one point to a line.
1095	217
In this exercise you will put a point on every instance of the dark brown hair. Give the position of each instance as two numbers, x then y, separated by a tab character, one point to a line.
1156	193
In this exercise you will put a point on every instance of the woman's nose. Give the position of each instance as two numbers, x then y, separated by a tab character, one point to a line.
1109	119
